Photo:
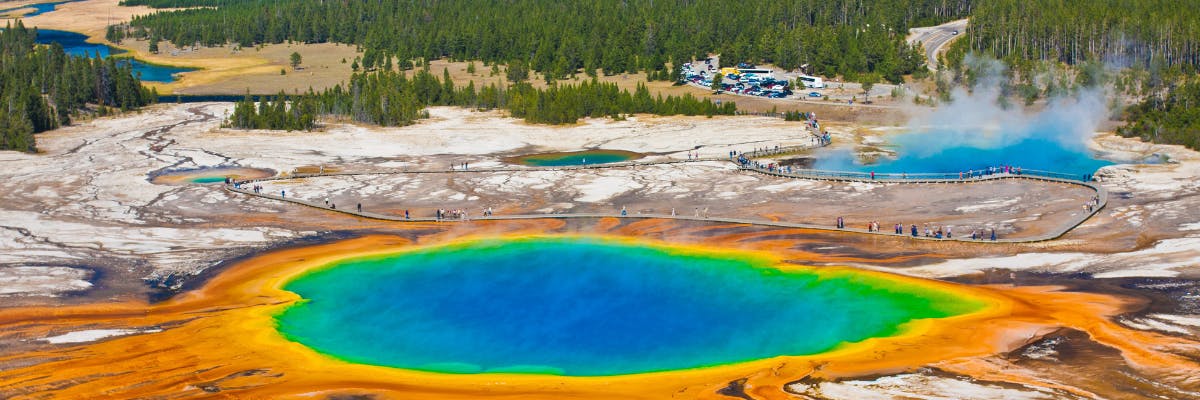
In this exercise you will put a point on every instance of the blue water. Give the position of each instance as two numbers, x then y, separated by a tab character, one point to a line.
39	9
587	157
76	44
588	307
929	152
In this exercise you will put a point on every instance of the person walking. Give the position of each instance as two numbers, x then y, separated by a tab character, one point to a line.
623	212
360	208
406	214
993	234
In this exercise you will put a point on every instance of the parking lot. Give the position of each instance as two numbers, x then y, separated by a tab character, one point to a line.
775	84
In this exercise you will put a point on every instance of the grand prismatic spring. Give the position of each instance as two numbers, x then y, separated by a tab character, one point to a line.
282	323
1032	234
588	306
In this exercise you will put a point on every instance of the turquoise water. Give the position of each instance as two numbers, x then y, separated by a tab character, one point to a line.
929	153
207	174
577	158
587	307
38	9
209	179
76	44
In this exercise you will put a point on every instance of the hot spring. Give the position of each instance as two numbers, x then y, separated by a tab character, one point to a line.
587	157
588	306
208	175
974	131
919	153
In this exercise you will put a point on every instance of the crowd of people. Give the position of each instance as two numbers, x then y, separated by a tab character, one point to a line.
926	230
743	159
1091	205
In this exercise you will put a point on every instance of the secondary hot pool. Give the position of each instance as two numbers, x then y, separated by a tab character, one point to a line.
208	175
587	157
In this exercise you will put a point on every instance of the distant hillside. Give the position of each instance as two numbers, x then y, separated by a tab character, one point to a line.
1173	118
561	37
1117	32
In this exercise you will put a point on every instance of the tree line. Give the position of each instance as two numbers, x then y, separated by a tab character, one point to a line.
391	98
560	39
42	88
1122	33
1171	118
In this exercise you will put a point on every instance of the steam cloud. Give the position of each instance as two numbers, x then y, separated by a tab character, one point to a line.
976	119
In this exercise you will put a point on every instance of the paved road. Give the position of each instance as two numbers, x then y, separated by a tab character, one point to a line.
934	37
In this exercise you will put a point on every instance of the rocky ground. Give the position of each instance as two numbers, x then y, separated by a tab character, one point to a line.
82	221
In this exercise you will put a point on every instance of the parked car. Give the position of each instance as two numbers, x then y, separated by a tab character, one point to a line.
814	94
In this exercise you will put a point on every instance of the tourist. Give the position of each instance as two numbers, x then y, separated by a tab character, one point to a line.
993	234
914	230
283	194
672	211
406	214
623	212
333	206
872	175
705	212
360	207
949	234
841	223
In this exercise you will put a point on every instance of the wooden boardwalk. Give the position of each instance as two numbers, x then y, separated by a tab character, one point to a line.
1101	194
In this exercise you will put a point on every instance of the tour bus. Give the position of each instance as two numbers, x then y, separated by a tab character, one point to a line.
761	73
812	82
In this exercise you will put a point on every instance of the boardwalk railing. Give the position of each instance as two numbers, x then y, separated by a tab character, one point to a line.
1048	176
906	177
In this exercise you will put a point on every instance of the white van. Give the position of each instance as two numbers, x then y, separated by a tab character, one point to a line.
812	82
